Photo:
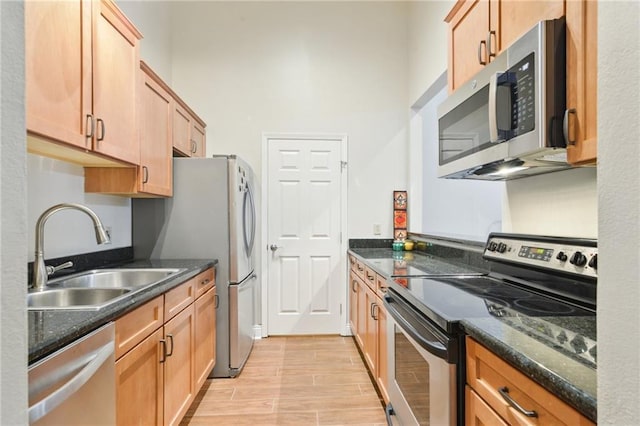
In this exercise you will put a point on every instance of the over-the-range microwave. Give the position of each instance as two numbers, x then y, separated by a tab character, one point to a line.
507	121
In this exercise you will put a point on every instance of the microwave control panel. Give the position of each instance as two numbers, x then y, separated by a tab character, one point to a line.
581	259
516	99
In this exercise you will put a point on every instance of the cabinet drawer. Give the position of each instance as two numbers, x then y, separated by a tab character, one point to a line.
487	374
135	326
370	278
381	285
179	298
204	281
352	262
359	269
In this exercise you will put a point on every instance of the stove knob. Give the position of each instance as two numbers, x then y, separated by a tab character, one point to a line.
578	259
594	262
562	257
594	353
502	247
492	246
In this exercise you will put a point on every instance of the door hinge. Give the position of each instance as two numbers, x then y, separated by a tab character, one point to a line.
343	165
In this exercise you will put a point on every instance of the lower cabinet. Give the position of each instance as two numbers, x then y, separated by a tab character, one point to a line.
368	320
499	394
165	350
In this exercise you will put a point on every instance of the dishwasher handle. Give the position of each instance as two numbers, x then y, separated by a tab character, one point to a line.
48	404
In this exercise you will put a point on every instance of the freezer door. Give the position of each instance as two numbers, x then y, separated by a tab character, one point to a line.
242	220
241	307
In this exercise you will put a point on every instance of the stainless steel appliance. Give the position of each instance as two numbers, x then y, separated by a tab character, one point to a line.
212	215
77	384
533	282
507	121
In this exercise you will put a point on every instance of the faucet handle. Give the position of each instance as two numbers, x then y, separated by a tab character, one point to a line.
53	269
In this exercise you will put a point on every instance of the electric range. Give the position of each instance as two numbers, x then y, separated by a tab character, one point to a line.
536	285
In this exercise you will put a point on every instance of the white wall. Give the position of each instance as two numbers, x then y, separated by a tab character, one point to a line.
619	213
561	203
13	206
71	232
427	44
304	67
153	20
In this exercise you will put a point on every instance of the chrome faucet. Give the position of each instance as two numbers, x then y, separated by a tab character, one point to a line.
40	271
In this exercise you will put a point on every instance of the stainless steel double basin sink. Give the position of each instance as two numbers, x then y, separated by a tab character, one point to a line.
97	288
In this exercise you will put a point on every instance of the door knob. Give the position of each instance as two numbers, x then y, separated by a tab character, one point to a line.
273	247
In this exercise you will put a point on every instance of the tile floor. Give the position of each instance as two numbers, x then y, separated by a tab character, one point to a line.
309	380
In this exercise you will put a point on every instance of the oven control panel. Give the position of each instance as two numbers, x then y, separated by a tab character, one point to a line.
567	255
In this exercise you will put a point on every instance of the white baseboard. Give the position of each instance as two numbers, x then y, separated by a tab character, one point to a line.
257	331
346	331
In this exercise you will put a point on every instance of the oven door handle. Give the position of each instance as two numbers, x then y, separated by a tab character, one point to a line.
426	338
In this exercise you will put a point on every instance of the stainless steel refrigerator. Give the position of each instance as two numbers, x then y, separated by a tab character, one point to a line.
212	214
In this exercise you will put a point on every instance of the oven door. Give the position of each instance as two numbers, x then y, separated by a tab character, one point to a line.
422	368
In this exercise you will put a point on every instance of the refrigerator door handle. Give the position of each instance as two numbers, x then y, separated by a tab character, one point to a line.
249	239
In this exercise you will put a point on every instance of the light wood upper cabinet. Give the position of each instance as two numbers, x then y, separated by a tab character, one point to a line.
153	176
81	61
198	137
582	81
188	131
481	29
181	130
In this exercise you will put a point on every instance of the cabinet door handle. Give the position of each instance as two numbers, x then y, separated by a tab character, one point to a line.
170	337
374	311
353	286
491	36
145	174
565	126
102	127
90	126
482	42
504	392
216	301
194	147
163	352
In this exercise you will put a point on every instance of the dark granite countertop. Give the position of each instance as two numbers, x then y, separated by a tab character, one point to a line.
50	330
561	373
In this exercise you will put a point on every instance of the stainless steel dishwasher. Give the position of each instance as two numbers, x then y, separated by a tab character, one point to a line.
76	384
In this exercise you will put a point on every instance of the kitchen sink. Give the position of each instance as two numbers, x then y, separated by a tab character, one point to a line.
73	298
115	278
96	289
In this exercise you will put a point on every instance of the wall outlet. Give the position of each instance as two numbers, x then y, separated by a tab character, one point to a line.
377	229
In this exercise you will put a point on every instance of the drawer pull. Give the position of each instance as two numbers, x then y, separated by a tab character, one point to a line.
360	268
504	392
204	282
370	277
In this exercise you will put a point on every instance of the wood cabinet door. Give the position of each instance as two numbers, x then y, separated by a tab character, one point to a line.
353	302
363	312
205	337
478	412
140	384
518	17
156	124
181	130
199	140
371	333
58	69
179	371
468	31
582	73
116	64
383	358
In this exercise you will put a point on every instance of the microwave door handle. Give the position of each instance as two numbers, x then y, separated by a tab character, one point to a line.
493	105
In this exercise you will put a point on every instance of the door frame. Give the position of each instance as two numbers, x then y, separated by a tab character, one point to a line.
345	330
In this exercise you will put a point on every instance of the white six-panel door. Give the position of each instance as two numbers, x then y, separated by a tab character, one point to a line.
305	285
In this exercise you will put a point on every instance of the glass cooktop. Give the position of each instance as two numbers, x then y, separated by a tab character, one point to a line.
409	265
